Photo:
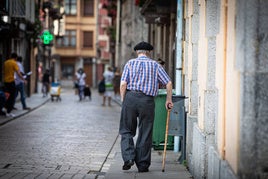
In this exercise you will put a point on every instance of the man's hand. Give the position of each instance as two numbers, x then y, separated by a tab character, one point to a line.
169	105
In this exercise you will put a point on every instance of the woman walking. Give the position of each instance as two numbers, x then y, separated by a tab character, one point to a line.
80	77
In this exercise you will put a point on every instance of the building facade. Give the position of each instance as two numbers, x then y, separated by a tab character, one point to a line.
77	47
131	29
216	55
18	33
106	36
223	80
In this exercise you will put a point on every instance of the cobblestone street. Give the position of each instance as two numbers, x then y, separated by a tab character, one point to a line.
60	140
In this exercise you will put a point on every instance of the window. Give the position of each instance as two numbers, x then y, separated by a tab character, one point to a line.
67	71
70	7
68	40
88	39
88	8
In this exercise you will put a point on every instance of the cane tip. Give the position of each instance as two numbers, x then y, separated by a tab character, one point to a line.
163	170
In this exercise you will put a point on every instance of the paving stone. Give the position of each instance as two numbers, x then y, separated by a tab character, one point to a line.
69	139
62	137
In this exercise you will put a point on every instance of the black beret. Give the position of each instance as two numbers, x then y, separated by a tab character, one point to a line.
143	46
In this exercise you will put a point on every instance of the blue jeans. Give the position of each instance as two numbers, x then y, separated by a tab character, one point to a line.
81	91
2	100
20	89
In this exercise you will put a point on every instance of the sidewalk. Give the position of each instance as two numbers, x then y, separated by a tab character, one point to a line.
173	169
36	100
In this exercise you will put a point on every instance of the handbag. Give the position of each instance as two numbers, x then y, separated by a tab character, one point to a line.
101	86
76	84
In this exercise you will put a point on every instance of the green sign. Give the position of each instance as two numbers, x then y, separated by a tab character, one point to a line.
46	37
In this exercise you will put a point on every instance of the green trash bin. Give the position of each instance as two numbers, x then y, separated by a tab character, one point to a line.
160	118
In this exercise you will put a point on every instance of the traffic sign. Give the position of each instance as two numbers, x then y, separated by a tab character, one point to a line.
47	37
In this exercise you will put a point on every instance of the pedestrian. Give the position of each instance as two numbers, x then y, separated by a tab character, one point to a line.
116	83
162	63
81	82
139	85
108	76
46	82
10	68
2	102
40	71
20	84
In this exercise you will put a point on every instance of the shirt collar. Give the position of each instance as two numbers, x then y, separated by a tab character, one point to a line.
142	57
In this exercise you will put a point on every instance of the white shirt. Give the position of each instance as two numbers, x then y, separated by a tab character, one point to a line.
109	76
81	79
18	80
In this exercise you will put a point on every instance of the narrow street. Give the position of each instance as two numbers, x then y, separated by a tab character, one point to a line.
60	139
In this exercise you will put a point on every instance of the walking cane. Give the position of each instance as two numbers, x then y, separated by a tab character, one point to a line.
165	146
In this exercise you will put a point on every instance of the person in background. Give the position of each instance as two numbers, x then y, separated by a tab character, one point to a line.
139	84
108	80
20	84
162	63
40	72
10	68
46	82
116	83
81	81
2	101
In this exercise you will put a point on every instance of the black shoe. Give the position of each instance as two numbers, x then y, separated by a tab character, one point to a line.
26	108
141	170
127	165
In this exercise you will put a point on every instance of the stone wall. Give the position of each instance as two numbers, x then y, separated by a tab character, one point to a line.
133	30
252	48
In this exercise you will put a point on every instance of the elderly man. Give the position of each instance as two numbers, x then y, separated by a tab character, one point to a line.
139	84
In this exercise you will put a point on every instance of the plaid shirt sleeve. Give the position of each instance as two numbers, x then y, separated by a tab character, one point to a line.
125	74
163	76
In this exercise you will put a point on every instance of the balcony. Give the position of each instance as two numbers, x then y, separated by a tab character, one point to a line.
157	11
22	9
4	7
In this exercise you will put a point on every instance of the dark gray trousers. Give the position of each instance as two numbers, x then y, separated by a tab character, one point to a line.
137	105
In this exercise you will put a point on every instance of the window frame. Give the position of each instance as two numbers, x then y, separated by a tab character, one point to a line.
83	11
69	6
85	35
69	38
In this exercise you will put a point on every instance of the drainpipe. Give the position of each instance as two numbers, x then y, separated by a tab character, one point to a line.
178	72
118	35
224	85
96	59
